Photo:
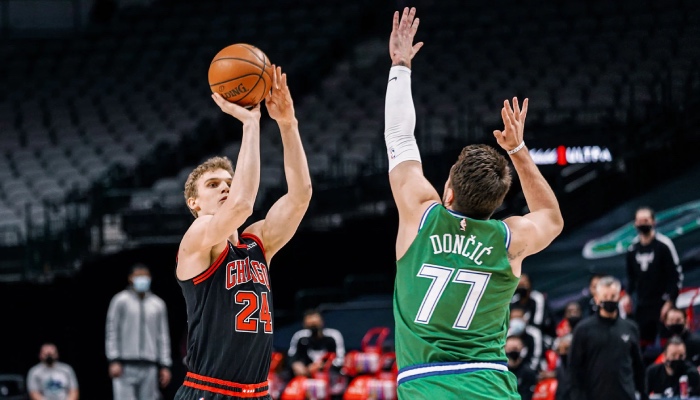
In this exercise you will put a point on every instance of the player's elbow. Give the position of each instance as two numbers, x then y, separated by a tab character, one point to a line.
306	193
558	223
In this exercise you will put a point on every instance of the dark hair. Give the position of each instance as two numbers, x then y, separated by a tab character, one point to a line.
678	310
139	266
311	311
646	208
674	340
516	306
480	179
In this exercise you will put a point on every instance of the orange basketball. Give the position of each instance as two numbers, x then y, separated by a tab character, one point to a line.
241	73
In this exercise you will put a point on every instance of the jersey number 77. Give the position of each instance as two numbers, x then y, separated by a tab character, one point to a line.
440	277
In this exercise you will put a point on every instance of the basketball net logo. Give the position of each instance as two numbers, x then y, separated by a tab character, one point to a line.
463	224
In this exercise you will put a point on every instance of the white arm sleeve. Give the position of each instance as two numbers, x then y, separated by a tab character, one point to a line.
400	118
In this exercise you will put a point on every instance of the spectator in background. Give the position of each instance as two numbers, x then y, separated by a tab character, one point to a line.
137	340
664	379
654	276
605	361
526	376
537	310
531	336
51	379
675	325
561	346
572	316
311	344
587	302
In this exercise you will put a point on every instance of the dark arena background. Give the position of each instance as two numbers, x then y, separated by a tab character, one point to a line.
105	108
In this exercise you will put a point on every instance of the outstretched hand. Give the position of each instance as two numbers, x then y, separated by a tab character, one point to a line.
401	47
514	124
278	101
240	113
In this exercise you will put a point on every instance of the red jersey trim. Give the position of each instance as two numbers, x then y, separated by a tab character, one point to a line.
256	239
213	267
247	391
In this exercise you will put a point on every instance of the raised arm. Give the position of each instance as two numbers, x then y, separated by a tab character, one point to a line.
285	215
217	224
537	229
411	190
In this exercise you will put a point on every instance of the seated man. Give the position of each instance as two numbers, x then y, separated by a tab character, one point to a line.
537	310
527	378
531	336
311	344
674	324
572	316
664	379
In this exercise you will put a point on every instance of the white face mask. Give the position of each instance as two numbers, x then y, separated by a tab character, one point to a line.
142	284
517	327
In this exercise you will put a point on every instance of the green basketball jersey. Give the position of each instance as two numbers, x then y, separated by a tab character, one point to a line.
452	291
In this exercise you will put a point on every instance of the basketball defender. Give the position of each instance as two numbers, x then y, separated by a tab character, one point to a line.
224	275
457	268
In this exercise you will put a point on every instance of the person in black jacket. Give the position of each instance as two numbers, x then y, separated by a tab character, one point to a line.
562	346
654	275
664	379
675	324
605	361
527	377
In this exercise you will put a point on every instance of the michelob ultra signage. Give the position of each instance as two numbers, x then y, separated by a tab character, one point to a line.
563	155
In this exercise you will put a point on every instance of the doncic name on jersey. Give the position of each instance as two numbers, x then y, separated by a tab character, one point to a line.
242	271
470	247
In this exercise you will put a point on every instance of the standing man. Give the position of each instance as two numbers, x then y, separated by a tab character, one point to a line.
654	275
52	379
137	340
605	361
457	268
224	274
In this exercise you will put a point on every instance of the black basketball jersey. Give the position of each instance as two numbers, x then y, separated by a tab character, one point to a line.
229	315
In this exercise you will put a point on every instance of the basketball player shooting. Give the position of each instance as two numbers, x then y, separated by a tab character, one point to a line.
457	268
224	275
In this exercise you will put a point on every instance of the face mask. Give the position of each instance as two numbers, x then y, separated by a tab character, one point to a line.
521	292
644	229
573	321
677	366
675	329
314	330
142	284
517	327
609	306
49	360
513	355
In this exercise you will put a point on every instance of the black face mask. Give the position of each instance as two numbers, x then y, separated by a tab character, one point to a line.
609	306
522	292
314	330
675	329
573	321
678	366
49	360
644	229
513	355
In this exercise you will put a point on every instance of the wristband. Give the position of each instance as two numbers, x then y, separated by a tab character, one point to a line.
518	148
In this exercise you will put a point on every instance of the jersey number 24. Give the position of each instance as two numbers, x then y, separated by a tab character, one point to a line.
440	277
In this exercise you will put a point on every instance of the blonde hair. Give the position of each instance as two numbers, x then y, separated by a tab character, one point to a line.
211	164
